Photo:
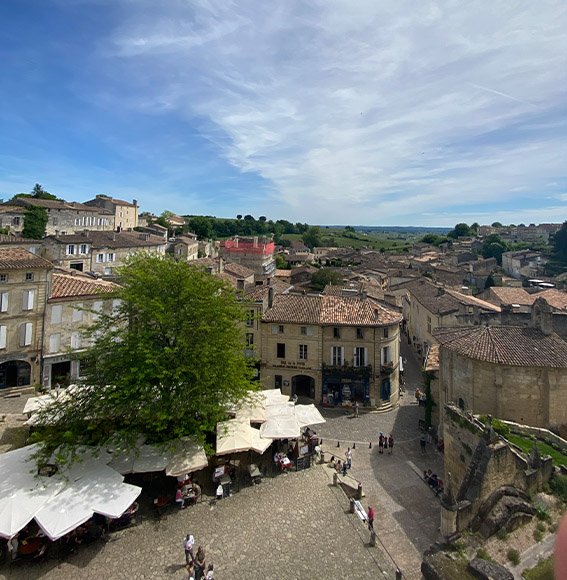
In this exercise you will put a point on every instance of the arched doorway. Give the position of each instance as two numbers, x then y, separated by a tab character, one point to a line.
14	373
303	386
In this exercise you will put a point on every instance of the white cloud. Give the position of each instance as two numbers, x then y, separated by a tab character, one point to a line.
363	112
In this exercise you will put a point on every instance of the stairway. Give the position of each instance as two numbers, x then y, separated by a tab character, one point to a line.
385	407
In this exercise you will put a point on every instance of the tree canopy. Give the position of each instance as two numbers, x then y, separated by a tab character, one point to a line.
312	237
560	243
461	230
494	246
325	276
38	193
164	364
35	222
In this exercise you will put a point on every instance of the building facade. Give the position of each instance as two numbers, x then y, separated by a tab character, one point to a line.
332	349
254	253
24	287
125	212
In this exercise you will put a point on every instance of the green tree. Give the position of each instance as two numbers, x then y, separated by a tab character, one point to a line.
493	247
281	264
202	226
164	364
497	225
38	193
35	222
325	276
312	237
461	230
560	243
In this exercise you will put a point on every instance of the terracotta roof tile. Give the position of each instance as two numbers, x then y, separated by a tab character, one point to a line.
505	345
557	299
66	286
20	259
108	239
238	270
505	295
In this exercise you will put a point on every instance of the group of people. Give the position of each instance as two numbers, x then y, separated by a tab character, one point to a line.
187	492
386	443
196	564
433	481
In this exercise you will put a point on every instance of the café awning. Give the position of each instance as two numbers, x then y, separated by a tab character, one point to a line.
233	436
187	456
308	415
280	427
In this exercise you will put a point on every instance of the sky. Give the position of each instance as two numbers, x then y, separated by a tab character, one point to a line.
358	112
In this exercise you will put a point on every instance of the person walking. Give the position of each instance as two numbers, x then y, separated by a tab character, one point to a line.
200	563
423	442
390	444
370	517
188	543
381	443
348	455
356	408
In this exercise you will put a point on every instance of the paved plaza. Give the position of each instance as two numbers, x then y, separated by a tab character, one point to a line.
291	526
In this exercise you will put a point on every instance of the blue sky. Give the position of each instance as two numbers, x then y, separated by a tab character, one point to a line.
329	112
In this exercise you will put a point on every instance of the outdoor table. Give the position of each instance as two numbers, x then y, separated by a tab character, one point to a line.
225	480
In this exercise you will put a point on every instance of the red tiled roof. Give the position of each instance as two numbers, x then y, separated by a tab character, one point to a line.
66	286
505	345
20	259
329	310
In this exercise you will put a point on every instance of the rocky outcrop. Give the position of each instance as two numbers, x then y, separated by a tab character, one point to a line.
485	570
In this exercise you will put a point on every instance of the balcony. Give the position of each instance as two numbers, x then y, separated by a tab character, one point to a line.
348	369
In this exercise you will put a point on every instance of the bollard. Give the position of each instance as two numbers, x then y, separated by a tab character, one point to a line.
338	443
398	574
370	445
322	457
354	445
373	538
335	479
351	505
359	492
321	442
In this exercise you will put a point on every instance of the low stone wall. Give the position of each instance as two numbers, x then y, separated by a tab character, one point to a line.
539	433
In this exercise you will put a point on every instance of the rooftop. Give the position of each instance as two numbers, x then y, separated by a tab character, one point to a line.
110	239
67	285
505	345
57	204
20	259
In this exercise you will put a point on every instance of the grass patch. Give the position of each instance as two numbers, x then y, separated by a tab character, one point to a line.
542	571
526	444
513	556
538	535
483	554
558	485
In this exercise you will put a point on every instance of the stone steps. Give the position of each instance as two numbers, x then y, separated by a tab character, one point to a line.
385	408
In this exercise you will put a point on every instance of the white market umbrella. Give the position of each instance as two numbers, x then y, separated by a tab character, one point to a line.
187	457
308	415
280	409
259	444
280	427
233	436
112	499
143	459
253	412
273	396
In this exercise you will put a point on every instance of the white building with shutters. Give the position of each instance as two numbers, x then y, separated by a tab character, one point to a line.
74	304
24	287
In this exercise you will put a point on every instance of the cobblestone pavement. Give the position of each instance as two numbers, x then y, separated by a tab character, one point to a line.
292	526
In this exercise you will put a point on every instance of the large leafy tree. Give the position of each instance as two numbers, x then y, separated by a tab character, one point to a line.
312	237
461	230
326	276
35	222
164	364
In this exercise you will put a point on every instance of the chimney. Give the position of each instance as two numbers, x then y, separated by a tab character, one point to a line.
236	241
270	297
135	202
542	318
255	241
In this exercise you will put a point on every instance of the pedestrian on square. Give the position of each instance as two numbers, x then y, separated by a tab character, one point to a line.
345	467
200	563
356	408
390	444
370	517
190	571
220	491
348	455
385	443
423	442
188	543
417	396
381	443
210	573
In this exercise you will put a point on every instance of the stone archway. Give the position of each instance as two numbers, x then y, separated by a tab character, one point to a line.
14	373
303	386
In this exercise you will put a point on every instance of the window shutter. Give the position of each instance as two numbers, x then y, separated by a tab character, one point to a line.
75	340
54	342
3	336
26	334
78	313
4	302
56	313
365	361
28	299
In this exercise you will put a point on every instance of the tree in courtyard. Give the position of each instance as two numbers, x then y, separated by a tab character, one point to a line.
325	276
35	222
164	364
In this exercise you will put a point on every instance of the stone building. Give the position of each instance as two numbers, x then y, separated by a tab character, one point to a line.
99	252
185	248
524	264
12	218
125	212
254	253
332	349
68	217
74	304
511	372
24	287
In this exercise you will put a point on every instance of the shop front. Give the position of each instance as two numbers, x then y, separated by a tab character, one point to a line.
343	386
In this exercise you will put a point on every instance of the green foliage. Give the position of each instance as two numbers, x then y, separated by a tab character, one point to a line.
35	222
497	225
513	556
38	193
558	485
526	444
281	264
460	230
493	247
502	534
538	535
560	244
541	527
483	554
542	514
434	239
164	364
202	226
325	276
312	237
542	571
500	428
489	282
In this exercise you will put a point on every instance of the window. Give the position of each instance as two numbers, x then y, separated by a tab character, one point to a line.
386	355
78	313
28	298
280	329
3	278
71	249
97	309
360	356
280	350
29	276
385	332
108	271
250	318
337	356
110	257
303	352
26	334
99	258
75	340
84	249
4	302
278	381
55	342
359	333
336	332
16	221
56	314
3	336
249	339
303	330
55	221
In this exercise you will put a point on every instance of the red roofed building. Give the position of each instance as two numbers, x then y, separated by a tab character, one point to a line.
254	253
